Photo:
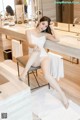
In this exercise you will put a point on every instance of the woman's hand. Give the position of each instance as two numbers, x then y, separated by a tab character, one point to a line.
52	30
36	48
51	27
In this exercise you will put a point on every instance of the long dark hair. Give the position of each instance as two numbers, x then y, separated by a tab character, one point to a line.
10	10
45	18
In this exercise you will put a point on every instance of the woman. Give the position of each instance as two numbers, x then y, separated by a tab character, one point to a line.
38	56
9	11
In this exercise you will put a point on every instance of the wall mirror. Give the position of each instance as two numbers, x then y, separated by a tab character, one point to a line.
40	7
32	9
61	13
68	11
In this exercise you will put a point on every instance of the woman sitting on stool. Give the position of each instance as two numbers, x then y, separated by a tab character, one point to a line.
38	56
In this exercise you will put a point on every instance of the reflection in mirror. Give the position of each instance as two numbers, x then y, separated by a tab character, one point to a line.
25	7
45	8
68	12
7	12
1	8
4	4
19	2
76	19
33	9
64	11
19	10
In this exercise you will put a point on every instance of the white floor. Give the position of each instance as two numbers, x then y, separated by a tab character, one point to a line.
47	106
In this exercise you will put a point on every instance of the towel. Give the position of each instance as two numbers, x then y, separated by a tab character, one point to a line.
16	48
56	65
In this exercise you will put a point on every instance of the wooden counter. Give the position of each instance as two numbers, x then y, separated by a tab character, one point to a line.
18	32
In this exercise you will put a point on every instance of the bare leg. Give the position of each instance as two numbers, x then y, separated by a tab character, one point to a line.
45	65
30	62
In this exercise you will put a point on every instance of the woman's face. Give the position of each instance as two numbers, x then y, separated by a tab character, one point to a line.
43	25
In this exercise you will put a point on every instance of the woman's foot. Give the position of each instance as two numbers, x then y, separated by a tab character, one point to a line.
22	78
65	102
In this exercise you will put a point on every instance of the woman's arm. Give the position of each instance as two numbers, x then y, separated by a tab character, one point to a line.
51	37
52	30
28	37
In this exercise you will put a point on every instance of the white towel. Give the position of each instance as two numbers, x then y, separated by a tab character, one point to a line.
56	65
16	48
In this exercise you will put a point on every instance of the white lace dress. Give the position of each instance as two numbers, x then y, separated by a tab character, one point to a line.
40	41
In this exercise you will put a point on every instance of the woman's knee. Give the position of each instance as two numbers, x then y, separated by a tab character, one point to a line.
47	75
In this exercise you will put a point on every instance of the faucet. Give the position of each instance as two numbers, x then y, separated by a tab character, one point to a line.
76	21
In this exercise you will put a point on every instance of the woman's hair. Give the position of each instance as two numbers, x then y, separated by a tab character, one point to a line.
10	10
45	18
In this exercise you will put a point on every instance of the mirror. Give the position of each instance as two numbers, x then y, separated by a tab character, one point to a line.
63	11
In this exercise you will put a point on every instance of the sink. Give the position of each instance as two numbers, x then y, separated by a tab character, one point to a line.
72	41
3	80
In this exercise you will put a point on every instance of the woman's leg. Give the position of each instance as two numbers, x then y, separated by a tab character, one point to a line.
45	65
32	59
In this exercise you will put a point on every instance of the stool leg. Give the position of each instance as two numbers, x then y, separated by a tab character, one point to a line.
36	79
28	79
48	85
18	69
36	73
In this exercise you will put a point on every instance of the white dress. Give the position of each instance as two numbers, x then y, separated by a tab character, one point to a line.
40	41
